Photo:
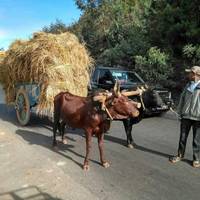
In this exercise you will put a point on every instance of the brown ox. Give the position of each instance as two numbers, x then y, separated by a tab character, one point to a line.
80	112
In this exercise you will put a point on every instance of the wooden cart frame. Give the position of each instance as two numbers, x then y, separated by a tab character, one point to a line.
27	97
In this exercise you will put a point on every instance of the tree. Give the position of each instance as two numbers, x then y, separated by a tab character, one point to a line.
173	24
57	27
122	32
154	67
192	53
113	31
87	4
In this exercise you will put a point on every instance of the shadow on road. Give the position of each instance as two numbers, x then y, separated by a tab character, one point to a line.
141	148
27	193
7	113
35	138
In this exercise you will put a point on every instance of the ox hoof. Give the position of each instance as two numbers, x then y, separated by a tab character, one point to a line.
130	146
86	167
64	141
106	164
55	147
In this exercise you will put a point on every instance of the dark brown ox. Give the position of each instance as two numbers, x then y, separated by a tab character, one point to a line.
80	112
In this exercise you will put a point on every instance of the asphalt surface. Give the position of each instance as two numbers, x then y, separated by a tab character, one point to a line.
31	169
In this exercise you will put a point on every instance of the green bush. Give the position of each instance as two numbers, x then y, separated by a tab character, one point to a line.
153	67
192	53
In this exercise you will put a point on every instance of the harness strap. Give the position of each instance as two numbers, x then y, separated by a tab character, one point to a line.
105	108
142	102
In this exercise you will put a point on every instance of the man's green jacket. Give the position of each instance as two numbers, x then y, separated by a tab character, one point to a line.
189	104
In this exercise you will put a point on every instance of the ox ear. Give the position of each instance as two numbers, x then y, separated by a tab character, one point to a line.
117	88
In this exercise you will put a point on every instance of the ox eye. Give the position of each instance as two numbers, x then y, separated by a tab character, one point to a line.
114	102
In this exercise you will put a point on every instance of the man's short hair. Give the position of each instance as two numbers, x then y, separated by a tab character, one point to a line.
194	69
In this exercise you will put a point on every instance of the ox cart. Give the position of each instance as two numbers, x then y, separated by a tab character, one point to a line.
26	97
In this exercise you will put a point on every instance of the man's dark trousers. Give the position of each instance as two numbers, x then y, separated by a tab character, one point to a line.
186	125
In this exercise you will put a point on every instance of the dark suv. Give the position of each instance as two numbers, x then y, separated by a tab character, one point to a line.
105	78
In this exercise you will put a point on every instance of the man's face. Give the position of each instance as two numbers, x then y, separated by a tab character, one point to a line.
191	76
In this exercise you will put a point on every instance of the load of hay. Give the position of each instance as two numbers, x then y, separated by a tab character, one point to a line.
56	62
2	56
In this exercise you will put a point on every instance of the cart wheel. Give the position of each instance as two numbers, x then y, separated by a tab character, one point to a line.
22	106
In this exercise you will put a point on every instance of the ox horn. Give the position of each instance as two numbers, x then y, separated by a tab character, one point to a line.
139	91
132	93
117	89
101	97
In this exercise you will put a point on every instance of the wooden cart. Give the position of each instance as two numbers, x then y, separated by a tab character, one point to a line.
27	97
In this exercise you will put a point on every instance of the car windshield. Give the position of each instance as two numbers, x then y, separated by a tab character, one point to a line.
126	77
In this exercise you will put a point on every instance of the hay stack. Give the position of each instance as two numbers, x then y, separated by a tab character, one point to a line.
2	56
2	53
57	62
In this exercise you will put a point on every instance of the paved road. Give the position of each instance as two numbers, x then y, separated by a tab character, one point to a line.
30	169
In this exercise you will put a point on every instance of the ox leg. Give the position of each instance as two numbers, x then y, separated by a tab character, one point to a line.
55	127
102	158
128	130
88	149
62	130
59	129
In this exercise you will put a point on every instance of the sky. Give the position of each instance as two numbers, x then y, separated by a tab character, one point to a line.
20	18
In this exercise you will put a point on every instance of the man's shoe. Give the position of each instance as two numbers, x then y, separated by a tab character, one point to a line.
175	159
196	163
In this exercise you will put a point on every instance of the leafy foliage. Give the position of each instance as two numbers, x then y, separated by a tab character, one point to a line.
154	67
157	38
114	31
173	24
56	28
192	52
88	4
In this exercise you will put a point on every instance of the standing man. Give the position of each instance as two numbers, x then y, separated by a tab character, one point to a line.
189	112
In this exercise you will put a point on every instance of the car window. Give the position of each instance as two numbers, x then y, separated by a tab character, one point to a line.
125	77
105	77
95	76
